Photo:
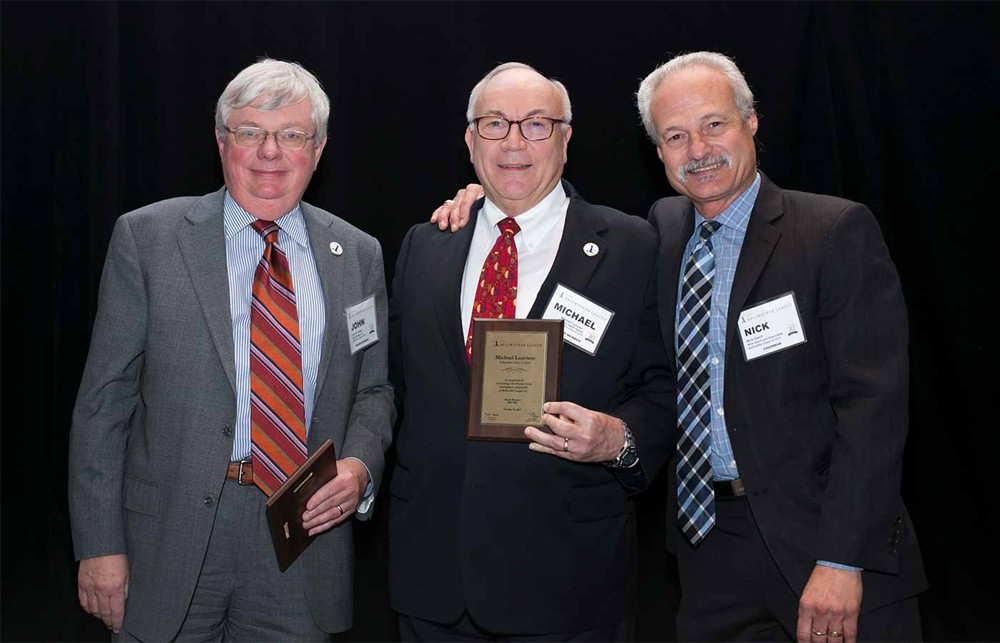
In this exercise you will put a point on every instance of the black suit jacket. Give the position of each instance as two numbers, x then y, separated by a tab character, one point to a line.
528	543
817	429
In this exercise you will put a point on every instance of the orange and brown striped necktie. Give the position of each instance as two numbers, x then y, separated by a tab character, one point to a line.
277	404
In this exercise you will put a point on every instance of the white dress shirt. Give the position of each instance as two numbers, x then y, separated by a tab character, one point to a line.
537	244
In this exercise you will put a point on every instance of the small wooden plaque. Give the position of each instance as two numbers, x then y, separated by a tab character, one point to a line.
516	367
288	502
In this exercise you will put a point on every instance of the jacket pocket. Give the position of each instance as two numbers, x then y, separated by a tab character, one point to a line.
598	502
402	484
141	496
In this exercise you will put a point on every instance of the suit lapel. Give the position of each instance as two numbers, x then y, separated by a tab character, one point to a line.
572	266
758	244
318	225
447	291
674	229
203	249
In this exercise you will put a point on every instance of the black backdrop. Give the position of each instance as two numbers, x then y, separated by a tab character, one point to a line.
106	107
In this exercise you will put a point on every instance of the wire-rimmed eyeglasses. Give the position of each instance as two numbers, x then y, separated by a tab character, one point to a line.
287	139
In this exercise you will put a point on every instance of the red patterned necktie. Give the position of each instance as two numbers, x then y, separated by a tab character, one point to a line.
496	293
277	404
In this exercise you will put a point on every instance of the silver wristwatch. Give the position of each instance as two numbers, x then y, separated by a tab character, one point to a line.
628	456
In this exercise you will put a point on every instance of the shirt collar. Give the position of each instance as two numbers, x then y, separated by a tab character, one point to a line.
236	219
737	214
537	221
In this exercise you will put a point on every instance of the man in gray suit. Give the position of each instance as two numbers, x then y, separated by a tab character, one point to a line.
168	523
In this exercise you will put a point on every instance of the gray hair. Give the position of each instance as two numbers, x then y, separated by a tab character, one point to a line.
742	95
477	91
280	84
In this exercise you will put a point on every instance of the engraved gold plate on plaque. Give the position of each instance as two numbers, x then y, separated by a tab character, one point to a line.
516	367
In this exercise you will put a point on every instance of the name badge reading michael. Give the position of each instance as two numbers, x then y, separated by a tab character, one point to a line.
362	328
584	321
771	327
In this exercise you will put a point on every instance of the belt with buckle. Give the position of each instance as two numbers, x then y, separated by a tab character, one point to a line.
729	488
241	472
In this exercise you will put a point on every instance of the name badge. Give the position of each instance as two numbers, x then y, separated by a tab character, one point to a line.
770	327
584	322
362	327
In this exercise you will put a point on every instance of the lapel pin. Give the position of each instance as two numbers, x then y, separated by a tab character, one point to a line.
336	248
591	249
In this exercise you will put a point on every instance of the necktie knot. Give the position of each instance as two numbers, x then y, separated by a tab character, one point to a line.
708	229
268	230
508	227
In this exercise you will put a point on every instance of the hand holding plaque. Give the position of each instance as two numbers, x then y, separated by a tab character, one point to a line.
285	506
516	367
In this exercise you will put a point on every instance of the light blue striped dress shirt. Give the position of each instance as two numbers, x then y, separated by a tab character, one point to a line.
244	248
726	244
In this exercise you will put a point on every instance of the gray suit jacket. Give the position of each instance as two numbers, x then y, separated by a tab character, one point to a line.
152	427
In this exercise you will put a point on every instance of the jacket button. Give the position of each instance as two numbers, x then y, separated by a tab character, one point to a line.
209	501
227	431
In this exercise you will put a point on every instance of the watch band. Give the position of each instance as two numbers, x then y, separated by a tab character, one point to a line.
627	456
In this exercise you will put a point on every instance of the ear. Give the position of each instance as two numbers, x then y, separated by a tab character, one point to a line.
319	152
566	136
219	141
752	124
468	142
659	152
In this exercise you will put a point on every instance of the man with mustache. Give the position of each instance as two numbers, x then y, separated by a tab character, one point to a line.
784	316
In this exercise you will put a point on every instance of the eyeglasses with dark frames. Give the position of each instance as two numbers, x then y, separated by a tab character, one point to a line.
533	128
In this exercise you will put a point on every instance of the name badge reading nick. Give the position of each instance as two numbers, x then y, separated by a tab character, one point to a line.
770	327
585	322
362	327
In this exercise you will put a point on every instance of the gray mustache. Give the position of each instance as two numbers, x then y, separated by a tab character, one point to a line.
697	165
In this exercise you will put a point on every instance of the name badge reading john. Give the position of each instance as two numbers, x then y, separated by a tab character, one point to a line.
770	327
362	328
584	322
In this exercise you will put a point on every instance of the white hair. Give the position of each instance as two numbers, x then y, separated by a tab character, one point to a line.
477	91
280	84
742	95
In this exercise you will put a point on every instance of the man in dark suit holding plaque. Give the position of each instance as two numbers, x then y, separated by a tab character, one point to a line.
491	538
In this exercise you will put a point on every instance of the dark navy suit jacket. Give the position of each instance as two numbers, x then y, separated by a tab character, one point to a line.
526	542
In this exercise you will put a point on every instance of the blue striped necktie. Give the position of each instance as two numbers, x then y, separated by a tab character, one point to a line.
695	496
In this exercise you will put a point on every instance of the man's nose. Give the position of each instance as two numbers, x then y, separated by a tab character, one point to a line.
269	149
514	140
699	147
